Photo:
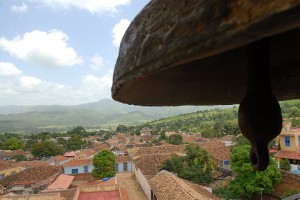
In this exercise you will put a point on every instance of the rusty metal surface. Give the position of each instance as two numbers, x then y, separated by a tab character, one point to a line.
191	52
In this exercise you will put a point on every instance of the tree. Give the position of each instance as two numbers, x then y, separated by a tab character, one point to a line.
104	164
241	140
46	149
13	144
18	158
75	142
247	180
175	139
284	164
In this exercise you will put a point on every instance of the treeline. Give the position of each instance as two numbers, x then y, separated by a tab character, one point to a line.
210	123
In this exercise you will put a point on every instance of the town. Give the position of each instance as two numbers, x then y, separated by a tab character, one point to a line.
181	164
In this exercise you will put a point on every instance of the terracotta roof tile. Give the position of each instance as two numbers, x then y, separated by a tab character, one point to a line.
7	164
46	196
125	158
70	154
82	162
288	154
150	164
32	164
160	150
167	186
60	158
31	175
63	181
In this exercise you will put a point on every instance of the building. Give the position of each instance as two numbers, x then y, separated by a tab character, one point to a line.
8	168
289	140
167	186
123	164
78	166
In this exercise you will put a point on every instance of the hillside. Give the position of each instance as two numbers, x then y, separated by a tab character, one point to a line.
104	113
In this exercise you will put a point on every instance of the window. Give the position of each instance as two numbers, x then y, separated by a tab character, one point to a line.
74	171
299	141
287	141
86	169
125	166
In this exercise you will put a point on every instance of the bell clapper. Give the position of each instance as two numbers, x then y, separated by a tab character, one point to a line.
259	113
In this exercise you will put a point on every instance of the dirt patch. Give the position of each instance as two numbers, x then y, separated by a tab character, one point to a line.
133	188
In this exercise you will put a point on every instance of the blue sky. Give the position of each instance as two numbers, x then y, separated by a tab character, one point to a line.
60	51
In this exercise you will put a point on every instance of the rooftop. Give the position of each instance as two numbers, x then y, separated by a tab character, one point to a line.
125	158
7	164
83	162
70	154
167	186
63	181
31	176
46	196
159	150
288	154
32	164
60	158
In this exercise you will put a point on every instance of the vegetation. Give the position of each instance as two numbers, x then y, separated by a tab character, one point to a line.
46	149
18	158
104	164
196	166
247	181
289	193
12	144
175	139
285	164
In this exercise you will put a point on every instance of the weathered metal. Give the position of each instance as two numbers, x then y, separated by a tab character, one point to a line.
191	52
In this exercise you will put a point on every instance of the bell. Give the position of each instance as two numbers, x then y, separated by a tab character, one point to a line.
191	52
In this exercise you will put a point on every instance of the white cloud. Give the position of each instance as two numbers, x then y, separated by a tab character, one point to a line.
29	81
29	90
93	6
9	70
46	49
19	9
97	62
119	30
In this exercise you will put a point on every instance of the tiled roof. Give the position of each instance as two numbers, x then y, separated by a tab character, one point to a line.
46	196
190	138
60	158
7	164
31	175
63	181
230	138
150	164
83	162
112	141
32	164
125	158
219	152
160	150
14	153
288	154
167	186
70	154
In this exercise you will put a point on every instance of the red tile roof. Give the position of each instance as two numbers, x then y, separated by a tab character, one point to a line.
109	195
63	181
83	162
70	154
167	186
7	164
60	158
125	158
32	164
31	176
288	154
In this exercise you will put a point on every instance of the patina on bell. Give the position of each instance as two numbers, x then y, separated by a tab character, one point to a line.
191	52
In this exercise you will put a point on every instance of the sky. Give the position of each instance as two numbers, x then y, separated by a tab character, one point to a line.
60	52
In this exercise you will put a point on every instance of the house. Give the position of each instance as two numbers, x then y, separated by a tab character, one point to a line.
168	186
7	154
78	166
49	196
60	160
37	178
8	168
220	155
145	167
62	182
119	149
178	149
2	189
289	140
123	164
70	155
31	164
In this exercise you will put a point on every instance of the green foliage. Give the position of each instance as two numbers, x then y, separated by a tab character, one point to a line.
247	180
13	144
241	140
289	193
224	193
18	158
195	166
285	164
46	149
104	164
175	139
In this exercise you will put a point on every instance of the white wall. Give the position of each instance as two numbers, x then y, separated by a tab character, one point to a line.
68	169
142	181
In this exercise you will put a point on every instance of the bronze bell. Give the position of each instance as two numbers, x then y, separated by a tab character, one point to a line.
191	52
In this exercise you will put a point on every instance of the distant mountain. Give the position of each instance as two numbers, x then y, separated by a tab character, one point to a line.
97	114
